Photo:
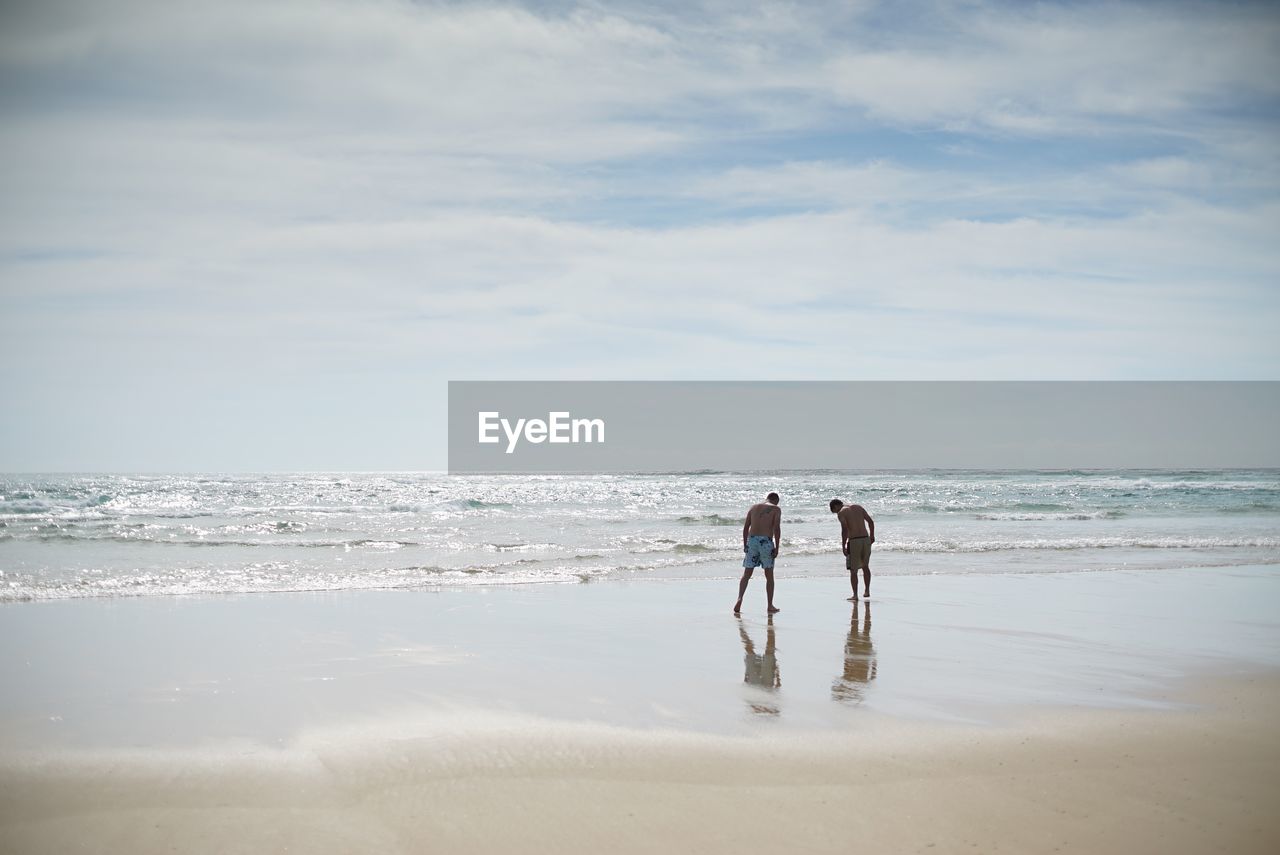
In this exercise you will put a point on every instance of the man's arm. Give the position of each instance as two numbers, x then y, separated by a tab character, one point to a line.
746	529
844	533
777	531
871	525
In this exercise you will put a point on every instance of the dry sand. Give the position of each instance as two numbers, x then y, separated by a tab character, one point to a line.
1084	781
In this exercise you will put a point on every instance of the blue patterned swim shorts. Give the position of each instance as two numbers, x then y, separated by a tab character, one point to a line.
759	553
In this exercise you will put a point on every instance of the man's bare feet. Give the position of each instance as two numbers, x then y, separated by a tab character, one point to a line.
773	610
852	599
737	607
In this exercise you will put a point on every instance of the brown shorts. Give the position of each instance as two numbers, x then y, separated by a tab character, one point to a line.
859	553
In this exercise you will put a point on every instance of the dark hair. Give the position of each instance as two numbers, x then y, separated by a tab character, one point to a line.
836	505
772	497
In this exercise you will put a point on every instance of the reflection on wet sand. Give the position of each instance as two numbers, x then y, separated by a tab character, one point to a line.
859	660
761	670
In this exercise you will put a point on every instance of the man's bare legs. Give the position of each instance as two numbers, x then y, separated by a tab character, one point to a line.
768	590
742	590
853	582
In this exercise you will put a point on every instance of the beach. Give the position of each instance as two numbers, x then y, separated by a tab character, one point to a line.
399	392
1104	711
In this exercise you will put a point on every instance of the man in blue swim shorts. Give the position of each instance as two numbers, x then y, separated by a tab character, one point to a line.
761	538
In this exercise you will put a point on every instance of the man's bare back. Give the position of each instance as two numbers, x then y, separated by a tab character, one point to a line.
853	520
762	519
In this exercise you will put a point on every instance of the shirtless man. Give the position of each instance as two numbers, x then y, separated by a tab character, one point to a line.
855	542
761	538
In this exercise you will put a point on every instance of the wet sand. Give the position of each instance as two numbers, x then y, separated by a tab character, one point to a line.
1070	712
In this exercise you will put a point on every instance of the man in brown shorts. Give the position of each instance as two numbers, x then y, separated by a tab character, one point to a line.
857	533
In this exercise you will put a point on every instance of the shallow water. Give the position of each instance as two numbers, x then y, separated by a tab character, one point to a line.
267	670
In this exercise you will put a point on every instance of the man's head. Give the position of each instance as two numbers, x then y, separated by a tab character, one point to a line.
836	505
772	498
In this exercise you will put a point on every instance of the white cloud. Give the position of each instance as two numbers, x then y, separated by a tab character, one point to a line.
530	292
1069	68
455	79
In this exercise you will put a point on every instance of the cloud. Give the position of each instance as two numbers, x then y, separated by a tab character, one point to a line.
530	293
1069	68
457	79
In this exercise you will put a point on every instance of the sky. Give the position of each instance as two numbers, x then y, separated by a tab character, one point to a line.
262	236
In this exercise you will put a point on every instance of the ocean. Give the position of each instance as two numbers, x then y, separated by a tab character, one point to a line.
68	536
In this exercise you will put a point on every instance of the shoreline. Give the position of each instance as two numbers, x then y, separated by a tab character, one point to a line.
889	565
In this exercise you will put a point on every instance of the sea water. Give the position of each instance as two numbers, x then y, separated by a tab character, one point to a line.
170	534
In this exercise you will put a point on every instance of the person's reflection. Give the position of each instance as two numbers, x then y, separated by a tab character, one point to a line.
761	670
859	660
